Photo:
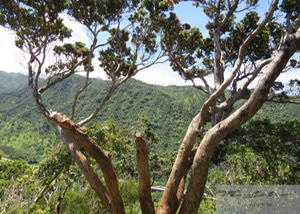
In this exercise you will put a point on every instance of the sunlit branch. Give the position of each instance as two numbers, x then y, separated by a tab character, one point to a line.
207	89
240	59
62	76
107	96
241	91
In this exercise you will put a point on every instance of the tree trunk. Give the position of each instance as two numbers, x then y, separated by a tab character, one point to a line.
169	202
142	160
77	134
217	133
87	171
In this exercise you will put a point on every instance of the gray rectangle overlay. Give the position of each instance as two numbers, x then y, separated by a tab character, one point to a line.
258	199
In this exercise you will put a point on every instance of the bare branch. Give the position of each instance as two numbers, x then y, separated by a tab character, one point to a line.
77	134
239	61
80	90
87	170
200	87
107	96
232	9
62	76
239	94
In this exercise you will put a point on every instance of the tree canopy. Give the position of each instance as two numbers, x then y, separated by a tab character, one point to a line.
138	35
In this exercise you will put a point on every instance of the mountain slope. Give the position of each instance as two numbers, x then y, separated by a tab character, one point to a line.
26	134
10	82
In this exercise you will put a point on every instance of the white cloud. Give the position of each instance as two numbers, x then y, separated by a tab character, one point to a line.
11	57
98	72
287	76
78	31
161	74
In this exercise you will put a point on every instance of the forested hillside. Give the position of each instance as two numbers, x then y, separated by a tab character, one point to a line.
11	82
25	134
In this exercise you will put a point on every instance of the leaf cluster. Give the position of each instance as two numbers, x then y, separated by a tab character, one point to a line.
72	53
116	141
57	162
263	152
291	8
40	21
93	13
184	45
264	44
117	60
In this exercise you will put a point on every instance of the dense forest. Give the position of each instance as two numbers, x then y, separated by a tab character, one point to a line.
71	143
26	138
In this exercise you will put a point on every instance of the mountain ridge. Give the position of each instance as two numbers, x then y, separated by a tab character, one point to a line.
26	134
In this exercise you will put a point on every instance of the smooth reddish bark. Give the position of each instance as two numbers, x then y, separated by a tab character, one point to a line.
216	134
76	133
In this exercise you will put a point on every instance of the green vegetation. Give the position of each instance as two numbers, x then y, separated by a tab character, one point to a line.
11	82
263	154
239	47
26	135
260	152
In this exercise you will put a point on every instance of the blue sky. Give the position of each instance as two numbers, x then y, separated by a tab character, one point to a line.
12	59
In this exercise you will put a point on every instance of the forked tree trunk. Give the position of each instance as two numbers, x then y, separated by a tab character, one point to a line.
170	202
172	196
217	133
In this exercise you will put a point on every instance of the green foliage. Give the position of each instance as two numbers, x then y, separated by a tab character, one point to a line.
40	21
73	53
168	109
117	142
114	55
38	25
12	171
193	55
184	46
97	13
207	207
291	8
129	192
11	82
262	152
260	49
57	161
17	186
81	199
27	135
